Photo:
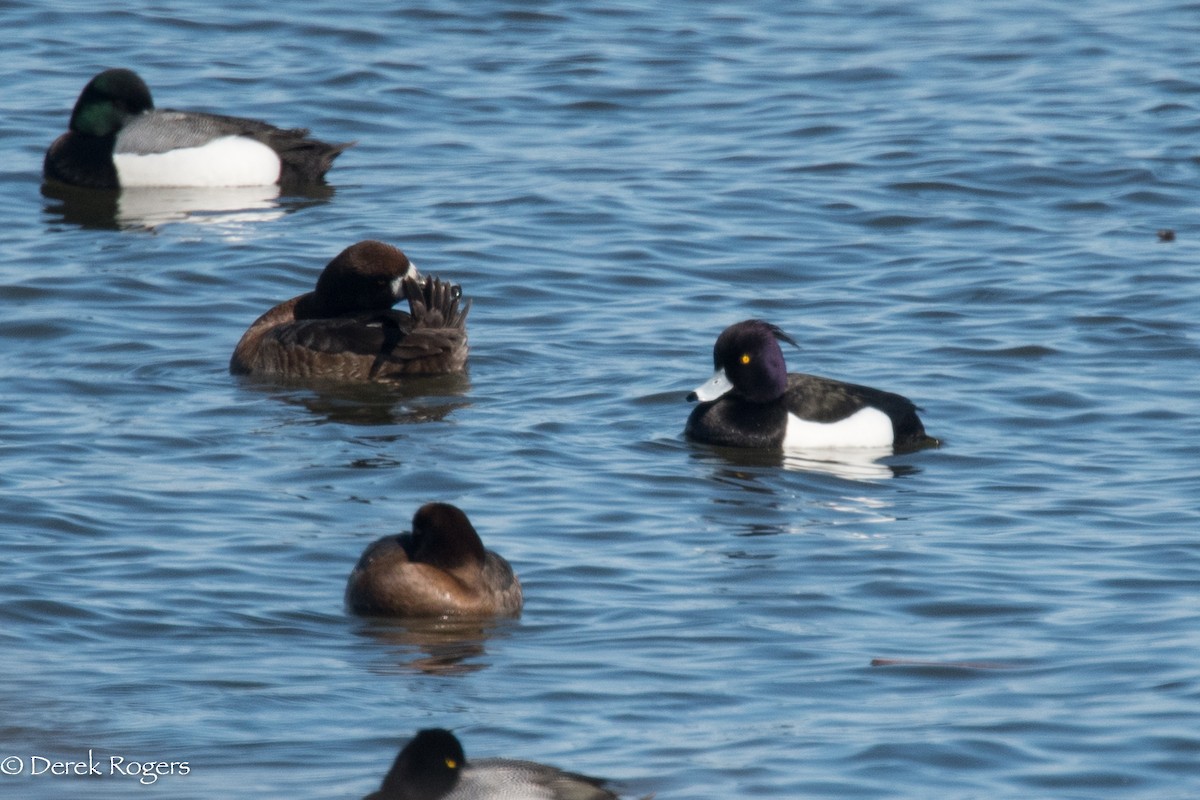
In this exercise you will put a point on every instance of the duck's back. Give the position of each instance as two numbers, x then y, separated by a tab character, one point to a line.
161	131
507	779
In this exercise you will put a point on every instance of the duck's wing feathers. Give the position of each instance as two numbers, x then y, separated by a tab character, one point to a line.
162	131
436	304
358	334
436	339
508	779
505	587
818	399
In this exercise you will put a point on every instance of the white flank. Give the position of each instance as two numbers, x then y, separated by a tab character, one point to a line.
868	427
714	387
228	161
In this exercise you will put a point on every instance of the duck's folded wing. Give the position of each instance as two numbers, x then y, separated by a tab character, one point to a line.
361	334
163	130
501	777
828	400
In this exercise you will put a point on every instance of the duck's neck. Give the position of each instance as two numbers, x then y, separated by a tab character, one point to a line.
310	306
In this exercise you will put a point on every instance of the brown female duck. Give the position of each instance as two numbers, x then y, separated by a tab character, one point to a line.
439	569
346	329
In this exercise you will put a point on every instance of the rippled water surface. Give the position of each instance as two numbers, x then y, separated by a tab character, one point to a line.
958	202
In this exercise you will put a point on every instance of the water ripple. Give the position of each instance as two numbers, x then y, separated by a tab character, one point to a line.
919	194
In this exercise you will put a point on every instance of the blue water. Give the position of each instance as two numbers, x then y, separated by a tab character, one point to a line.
957	202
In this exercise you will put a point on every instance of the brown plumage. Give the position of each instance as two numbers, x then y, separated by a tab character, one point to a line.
346	329
441	568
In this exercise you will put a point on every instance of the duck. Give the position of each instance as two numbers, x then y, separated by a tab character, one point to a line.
432	766
752	401
117	139
441	568
346	330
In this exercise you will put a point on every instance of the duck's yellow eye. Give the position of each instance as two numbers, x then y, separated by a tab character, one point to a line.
745	358
451	763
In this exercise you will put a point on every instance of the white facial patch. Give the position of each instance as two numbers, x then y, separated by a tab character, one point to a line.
714	387
228	161
867	427
398	282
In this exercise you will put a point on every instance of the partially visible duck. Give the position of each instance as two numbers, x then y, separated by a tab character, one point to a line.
346	329
433	767
440	569
752	401
117	140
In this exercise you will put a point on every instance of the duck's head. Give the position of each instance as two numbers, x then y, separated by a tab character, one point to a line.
109	99
748	362
426	769
367	276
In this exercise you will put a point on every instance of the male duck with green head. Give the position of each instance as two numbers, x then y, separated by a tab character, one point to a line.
117	139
